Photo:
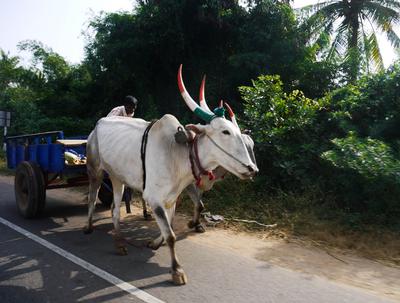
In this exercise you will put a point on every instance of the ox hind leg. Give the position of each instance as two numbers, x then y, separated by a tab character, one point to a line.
146	214
119	241
164	220
195	196
95	179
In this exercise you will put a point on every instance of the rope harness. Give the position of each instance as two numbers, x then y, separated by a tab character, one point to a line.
197	168
143	148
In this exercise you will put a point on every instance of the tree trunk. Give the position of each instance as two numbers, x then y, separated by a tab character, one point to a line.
354	51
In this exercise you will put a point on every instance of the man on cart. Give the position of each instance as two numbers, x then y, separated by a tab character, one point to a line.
126	110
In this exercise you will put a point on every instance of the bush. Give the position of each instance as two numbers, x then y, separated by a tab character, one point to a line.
342	145
284	127
367	179
372	108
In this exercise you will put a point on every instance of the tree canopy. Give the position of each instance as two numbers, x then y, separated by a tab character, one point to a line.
349	29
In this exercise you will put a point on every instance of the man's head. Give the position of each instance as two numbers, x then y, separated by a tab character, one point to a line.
130	104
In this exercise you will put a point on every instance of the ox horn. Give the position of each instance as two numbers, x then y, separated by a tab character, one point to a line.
201	113
231	115
203	103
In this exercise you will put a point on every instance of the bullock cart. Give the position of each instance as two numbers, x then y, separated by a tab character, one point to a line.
44	161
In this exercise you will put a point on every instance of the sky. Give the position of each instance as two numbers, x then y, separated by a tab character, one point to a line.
56	23
59	24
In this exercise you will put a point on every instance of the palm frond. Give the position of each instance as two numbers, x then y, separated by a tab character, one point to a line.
381	15
367	50
393	38
386	26
339	43
394	4
375	52
320	20
312	8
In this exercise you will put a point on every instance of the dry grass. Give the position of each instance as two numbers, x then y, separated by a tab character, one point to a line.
300	217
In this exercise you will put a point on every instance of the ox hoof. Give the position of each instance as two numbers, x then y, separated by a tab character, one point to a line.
87	230
191	224
122	250
147	216
179	277
200	228
154	246
120	245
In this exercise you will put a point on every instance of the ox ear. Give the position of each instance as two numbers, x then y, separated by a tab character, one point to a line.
197	129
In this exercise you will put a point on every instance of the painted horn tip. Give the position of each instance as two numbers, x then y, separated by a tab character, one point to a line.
231	114
180	82
203	84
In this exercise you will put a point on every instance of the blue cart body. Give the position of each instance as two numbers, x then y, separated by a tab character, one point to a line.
47	152
44	153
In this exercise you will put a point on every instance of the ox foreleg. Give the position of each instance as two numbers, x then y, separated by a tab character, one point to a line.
118	190
195	195
164	222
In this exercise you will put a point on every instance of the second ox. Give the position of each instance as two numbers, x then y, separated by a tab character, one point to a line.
204	182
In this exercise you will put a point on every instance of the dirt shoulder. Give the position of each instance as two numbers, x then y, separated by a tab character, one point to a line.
339	266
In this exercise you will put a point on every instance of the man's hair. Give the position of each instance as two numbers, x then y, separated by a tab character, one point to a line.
130	100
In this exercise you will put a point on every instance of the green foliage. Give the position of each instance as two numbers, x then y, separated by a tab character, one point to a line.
284	127
373	106
345	144
368	157
367	180
50	94
139	52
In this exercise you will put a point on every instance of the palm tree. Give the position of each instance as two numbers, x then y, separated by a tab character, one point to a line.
351	27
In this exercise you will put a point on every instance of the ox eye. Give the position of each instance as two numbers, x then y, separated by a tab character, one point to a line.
226	132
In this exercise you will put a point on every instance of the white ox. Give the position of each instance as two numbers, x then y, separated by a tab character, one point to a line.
114	146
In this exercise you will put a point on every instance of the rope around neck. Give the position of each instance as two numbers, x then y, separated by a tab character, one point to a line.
195	161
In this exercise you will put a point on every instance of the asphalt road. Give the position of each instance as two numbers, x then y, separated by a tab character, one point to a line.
31	272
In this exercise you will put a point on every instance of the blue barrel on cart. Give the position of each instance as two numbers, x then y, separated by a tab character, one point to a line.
43	156
56	156
11	156
20	154
32	153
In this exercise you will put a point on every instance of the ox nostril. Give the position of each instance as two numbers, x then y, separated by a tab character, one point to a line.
250	168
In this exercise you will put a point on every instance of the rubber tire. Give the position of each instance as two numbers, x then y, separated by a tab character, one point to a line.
30	189
105	196
42	185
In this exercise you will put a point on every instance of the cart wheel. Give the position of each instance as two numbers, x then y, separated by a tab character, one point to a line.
30	190
42	186
105	193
